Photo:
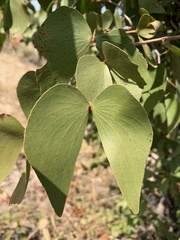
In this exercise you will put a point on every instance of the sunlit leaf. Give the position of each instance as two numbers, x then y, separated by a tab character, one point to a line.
11	142
28	92
21	187
130	86
20	18
119	60
56	125
92	76
147	26
65	42
107	19
126	135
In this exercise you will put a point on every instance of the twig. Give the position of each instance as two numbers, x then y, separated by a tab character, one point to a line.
119	6
162	39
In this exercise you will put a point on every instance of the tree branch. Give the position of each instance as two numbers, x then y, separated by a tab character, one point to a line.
162	39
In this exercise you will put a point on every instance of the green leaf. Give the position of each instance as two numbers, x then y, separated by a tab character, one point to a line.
94	20
118	19
175	50
82	5
11	142
65	42
126	135
56	125
119	60
7	16
45	4
130	86
28	92
172	111
121	40
151	6
20	18
21	187
92	76
46	77
107	19
154	91
147	26
148	54
2	39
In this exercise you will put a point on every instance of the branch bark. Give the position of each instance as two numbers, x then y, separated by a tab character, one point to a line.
162	39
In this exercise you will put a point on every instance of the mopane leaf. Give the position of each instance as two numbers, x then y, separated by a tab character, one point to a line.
20	189
45	3
119	60
11	141
175	50
151	6
121	39
63	38
154	91
107	19
130	86
53	139
28	92
20	18
126	135
172	112
92	76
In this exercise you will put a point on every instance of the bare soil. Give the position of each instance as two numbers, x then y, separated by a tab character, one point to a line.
92	194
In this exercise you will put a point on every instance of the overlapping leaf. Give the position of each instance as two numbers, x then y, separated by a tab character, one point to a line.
126	135
21	187
53	138
120	39
20	18
92	76
11	139
65	42
28	92
119	60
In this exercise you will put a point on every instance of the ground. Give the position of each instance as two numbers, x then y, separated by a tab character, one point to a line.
89	210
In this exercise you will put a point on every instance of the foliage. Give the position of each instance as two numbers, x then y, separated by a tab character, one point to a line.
118	70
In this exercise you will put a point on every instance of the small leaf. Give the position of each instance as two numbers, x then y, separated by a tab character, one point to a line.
147	26
2	39
175	50
126	135
11	141
172	111
45	4
92	76
154	91
120	39
107	19
56	125
28	92
148	54
65	42
151	6
118	59
20	18
21	187
94	20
